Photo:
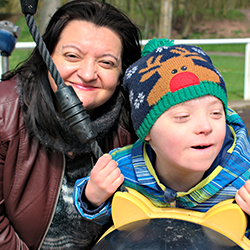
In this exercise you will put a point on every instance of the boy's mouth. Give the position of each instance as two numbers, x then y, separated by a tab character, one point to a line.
201	146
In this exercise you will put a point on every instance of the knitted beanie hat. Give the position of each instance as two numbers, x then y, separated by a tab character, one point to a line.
168	75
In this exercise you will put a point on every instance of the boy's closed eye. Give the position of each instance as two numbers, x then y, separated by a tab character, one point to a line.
181	117
217	114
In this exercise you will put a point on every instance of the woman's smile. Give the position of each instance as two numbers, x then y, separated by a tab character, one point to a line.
86	87
90	63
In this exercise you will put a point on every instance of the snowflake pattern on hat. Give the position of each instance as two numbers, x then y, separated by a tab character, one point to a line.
139	100
130	72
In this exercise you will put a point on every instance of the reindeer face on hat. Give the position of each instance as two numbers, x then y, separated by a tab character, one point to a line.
168	76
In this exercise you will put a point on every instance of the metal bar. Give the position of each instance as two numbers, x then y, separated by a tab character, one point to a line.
4	64
1	67
25	45
247	73
208	41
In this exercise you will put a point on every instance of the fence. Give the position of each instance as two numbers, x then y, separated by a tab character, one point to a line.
31	45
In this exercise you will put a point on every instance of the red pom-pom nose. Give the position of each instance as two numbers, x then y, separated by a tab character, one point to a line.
182	80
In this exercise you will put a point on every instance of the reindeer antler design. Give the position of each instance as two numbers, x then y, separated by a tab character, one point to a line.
185	53
153	67
165	70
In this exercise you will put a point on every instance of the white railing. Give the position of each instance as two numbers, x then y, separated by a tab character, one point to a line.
31	45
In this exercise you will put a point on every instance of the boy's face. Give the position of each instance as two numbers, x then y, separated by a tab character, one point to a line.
187	137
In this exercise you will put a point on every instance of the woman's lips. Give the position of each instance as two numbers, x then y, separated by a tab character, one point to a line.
83	86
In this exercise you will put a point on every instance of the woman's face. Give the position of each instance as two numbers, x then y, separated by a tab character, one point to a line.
88	58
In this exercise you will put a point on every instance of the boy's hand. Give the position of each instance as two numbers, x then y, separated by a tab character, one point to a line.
104	180
242	197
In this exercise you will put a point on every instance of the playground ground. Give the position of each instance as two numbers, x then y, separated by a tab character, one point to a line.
243	109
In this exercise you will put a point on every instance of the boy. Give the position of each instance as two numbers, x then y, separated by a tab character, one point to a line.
193	151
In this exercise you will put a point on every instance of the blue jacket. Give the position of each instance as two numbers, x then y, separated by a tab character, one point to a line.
227	174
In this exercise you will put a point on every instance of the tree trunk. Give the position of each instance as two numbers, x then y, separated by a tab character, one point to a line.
45	11
165	25
131	8
187	18
142	7
155	18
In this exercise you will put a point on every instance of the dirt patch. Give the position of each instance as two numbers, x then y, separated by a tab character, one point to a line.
220	28
12	17
244	113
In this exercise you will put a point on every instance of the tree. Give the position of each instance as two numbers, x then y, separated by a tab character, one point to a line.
156	15
189	13
3	3
142	4
46	9
10	6
165	25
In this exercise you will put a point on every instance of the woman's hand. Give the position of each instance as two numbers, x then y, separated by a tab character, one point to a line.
104	180
242	197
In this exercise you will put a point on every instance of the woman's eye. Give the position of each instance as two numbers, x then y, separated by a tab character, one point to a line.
70	56
107	64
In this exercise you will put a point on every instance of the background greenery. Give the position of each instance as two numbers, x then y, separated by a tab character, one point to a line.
231	67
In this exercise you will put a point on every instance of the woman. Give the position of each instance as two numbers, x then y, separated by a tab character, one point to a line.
91	45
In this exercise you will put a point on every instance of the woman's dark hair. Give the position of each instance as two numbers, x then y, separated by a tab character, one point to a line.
37	96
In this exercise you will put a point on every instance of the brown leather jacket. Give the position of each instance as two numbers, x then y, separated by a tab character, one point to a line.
30	177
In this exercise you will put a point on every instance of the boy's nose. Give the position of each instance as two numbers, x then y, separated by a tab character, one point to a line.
203	126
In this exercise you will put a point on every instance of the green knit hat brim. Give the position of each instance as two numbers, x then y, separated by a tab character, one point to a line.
170	99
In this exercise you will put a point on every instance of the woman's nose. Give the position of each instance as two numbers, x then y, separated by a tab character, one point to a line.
87	70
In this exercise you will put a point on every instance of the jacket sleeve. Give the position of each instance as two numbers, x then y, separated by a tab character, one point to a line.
9	239
100	215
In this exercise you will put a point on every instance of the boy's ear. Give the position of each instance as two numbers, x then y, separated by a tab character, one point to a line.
147	138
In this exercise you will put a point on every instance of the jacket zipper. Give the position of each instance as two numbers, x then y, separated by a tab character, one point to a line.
173	203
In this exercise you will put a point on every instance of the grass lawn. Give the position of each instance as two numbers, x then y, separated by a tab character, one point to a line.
232	70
